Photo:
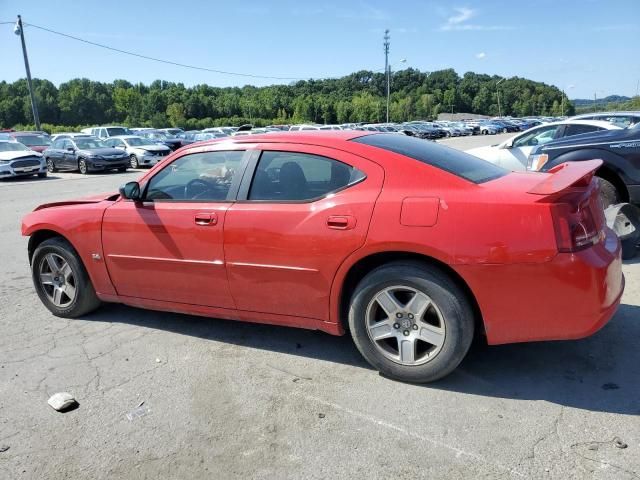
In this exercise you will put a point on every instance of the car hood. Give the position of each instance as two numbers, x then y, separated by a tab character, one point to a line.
153	148
80	201
103	151
486	153
8	156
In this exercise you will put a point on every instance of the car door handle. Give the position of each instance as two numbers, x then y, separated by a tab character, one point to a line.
341	222
206	219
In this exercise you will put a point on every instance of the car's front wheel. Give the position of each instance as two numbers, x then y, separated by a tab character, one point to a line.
51	167
82	166
411	322
133	160
61	281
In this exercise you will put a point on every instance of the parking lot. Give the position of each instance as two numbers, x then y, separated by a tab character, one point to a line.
172	396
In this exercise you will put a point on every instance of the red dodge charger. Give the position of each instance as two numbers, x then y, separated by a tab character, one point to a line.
408	245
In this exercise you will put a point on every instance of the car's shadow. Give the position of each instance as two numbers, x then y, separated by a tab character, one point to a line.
599	373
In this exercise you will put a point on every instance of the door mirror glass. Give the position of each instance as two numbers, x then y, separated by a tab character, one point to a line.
70	149
130	191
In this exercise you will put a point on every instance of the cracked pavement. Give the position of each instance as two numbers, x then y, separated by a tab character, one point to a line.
225	399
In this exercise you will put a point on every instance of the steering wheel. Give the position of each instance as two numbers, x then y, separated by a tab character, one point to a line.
196	187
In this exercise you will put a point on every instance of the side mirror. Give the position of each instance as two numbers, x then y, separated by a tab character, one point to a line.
130	191
71	149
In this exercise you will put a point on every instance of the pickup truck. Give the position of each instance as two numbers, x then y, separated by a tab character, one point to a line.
618	149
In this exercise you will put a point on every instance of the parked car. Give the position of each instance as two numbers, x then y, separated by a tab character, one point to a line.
84	154
621	119
69	135
142	151
17	160
514	152
35	141
107	131
162	138
402	242
619	149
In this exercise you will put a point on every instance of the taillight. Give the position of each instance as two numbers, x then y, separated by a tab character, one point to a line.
578	224
536	162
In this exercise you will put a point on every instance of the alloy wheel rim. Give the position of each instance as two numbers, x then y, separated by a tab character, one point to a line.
133	161
50	165
57	280
83	167
405	325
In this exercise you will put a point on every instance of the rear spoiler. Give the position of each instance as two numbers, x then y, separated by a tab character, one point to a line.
566	175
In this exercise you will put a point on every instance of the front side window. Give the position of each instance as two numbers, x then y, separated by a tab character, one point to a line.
292	176
59	143
196	177
538	137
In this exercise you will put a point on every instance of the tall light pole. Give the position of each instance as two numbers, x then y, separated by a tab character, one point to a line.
386	67
18	30
498	95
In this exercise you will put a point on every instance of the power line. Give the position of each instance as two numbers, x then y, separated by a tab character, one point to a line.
169	62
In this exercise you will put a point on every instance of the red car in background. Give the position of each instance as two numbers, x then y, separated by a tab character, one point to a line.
408	245
36	141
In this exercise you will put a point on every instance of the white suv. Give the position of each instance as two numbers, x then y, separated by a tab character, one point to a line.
106	131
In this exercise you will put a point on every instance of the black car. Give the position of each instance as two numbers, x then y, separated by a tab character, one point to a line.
86	154
618	149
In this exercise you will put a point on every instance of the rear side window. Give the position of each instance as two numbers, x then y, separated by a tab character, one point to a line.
453	161
578	129
292	176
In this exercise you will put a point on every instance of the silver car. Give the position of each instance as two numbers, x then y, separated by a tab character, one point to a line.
16	160
143	152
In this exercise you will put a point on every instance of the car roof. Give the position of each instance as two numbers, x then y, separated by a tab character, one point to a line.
125	136
311	137
594	123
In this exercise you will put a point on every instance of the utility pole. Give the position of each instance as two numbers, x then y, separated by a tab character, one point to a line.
563	103
498	95
387	67
595	102
19	30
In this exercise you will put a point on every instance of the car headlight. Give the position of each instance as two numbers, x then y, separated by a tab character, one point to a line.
536	162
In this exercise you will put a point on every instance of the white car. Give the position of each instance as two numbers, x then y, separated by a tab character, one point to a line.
142	152
16	160
512	154
106	131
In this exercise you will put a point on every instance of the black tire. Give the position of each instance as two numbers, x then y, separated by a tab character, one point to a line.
122	169
451	301
85	300
609	193
133	160
505	130
82	166
51	166
42	175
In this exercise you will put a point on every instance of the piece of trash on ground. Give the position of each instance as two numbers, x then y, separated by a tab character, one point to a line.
4	448
62	401
140	411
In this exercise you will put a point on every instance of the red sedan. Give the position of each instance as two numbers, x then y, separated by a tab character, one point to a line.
408	245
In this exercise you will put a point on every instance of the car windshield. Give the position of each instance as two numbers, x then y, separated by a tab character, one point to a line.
12	147
114	131
138	141
89	143
453	161
33	140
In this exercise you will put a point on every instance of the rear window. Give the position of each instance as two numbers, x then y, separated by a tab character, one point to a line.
453	161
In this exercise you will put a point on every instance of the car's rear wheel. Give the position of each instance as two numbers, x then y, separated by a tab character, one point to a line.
82	166
61	281
608	193
133	160
411	322
51	166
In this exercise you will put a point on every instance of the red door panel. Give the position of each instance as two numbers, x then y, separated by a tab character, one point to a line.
282	257
167	251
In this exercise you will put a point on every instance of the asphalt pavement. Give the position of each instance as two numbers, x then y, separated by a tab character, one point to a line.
173	396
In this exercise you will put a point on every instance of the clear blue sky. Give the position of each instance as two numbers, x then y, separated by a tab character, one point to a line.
582	46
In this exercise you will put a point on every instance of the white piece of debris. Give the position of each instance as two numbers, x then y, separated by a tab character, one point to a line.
62	401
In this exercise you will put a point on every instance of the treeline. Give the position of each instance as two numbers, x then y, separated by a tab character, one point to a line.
359	97
610	106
